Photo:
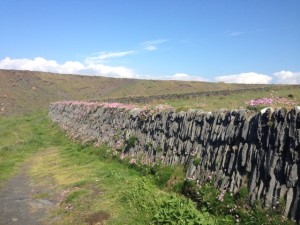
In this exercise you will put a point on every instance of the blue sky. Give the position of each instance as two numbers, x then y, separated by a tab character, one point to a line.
255	41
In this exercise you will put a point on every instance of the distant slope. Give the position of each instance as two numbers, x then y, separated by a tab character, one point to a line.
25	91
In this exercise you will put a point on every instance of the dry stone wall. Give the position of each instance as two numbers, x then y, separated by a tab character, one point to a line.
238	147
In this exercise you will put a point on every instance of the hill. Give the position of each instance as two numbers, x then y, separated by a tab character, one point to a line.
26	91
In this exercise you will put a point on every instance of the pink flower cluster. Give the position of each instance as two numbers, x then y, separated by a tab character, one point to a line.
146	161
270	101
261	101
162	107
209	178
122	157
132	161
97	144
119	144
221	195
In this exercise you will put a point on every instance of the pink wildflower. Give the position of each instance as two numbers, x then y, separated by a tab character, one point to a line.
119	144
221	195
96	144
132	161
122	157
209	178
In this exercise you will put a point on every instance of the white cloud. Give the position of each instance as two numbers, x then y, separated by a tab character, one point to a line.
99	69
74	67
26	64
181	75
151	45
154	42
110	71
150	48
239	33
247	78
147	46
287	77
107	55
69	67
184	77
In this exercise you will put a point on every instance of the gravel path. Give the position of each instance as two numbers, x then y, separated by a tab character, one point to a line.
21	201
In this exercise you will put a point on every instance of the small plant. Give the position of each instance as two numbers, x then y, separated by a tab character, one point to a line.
159	148
270	124
175	210
197	161
162	174
131	141
144	114
190	189
149	145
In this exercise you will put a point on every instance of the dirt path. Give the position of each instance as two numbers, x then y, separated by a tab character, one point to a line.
22	202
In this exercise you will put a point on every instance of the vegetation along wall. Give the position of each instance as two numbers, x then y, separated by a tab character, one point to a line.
235	148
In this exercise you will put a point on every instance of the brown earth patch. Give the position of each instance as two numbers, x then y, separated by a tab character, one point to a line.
98	218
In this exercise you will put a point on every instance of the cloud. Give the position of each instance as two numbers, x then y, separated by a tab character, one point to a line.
107	55
147	46
181	75
74	67
150	48
239	33
99	69
69	67
154	42
184	77
151	45
247	78
287	77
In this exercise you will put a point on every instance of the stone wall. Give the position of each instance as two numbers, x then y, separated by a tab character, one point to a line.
238	147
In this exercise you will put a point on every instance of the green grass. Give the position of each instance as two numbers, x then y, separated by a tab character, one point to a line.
234	101
20	137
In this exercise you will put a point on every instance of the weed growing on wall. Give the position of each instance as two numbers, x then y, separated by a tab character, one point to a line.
131	141
197	161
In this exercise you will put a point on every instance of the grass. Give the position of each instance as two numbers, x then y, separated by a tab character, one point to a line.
234	101
20	137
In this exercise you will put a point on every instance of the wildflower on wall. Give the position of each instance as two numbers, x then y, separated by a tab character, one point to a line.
270	102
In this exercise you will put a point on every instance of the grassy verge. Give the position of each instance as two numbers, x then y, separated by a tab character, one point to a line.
93	191
234	101
20	137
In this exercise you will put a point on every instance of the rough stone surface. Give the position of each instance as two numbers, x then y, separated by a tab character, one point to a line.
237	147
